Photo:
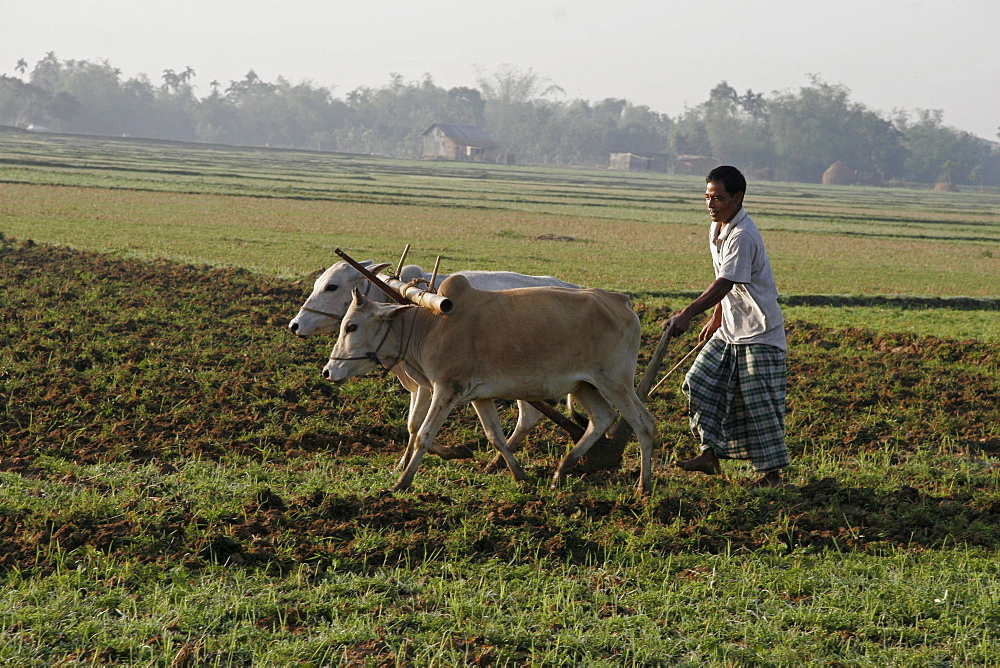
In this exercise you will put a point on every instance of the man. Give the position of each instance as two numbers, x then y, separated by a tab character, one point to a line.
736	386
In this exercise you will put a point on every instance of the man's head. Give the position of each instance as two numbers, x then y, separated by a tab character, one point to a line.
724	191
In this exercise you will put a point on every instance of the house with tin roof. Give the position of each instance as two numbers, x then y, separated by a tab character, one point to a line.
458	142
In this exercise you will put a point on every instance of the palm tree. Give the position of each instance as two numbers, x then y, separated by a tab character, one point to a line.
170	80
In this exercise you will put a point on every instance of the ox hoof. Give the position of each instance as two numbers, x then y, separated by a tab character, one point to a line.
456	452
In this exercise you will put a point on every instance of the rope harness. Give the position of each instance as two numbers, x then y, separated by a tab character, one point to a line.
327	314
373	355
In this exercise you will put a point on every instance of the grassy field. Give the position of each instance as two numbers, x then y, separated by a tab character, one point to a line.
281	213
178	486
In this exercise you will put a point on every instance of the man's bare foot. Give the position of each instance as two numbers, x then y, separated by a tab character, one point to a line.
769	479
706	463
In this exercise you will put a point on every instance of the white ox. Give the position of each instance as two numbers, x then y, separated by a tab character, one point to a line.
325	307
530	343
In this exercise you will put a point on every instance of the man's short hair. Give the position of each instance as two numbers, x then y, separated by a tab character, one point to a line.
730	177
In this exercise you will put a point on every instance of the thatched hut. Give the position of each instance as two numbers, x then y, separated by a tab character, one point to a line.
839	174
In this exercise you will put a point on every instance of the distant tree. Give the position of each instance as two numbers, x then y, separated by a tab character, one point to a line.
936	152
753	104
22	104
723	93
819	125
792	135
64	107
737	129
466	105
689	134
47	72
170	80
513	114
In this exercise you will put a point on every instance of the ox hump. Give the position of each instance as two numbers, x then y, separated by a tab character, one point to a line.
456	287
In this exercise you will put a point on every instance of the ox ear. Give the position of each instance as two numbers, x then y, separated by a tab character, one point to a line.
390	311
372	267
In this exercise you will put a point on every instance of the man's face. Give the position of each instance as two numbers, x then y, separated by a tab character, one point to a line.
721	205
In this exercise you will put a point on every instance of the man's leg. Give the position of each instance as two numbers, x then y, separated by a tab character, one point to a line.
762	387
705	388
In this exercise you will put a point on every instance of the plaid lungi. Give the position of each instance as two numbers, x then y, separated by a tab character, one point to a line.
736	399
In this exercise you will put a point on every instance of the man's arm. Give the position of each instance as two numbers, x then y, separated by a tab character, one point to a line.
714	322
712	295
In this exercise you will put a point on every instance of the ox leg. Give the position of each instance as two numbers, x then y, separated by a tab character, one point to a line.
644	426
420	400
527	417
488	417
440	407
602	416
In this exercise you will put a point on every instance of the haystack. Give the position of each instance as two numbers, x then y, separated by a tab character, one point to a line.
944	186
839	174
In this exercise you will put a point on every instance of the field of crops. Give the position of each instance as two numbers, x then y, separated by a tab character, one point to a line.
179	486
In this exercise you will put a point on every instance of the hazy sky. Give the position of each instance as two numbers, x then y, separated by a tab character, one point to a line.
666	54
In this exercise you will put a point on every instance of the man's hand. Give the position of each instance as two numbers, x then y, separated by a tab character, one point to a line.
677	325
712	296
712	325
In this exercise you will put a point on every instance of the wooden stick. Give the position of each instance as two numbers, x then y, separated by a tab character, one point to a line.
574	430
642	390
674	368
653	367
434	274
402	259
392	294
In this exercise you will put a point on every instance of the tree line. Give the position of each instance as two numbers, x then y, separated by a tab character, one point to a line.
793	136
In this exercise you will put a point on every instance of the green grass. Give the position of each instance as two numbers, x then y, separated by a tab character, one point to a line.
157	166
178	485
282	213
900	608
961	324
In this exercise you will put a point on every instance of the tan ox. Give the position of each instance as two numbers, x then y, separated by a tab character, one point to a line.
527	343
325	307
